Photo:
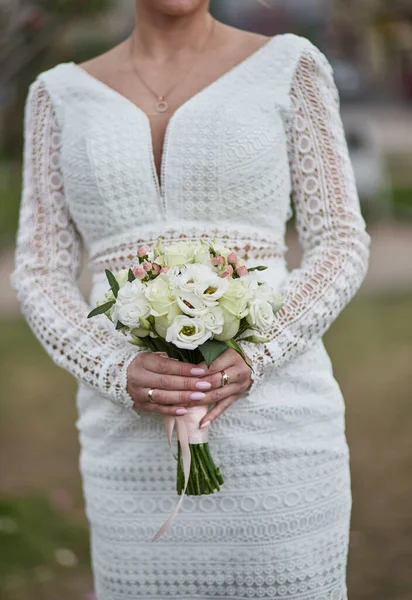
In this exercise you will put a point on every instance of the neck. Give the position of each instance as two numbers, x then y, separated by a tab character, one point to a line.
157	35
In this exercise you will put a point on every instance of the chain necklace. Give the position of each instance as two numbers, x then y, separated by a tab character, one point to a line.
161	104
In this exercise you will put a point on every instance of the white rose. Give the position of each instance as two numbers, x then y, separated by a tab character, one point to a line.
162	323
260	314
230	327
160	296
187	332
178	254
202	254
214	319
275	299
121	277
235	300
131	304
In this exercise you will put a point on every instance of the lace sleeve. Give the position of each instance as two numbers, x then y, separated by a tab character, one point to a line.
48	261
329	222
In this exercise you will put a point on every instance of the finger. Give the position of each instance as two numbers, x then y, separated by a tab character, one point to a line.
227	359
168	366
170	397
236	374
174	382
218	394
161	409
217	410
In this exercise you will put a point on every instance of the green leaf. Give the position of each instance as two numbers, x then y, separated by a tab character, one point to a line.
235	346
211	350
120	325
99	310
130	276
255	339
136	341
259	268
112	282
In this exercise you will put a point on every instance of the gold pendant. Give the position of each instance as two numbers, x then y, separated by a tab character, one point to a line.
161	105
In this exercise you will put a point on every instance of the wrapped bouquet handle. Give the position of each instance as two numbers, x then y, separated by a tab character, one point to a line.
187	433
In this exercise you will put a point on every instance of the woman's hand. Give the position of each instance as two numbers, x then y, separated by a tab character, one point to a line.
240	380
178	385
175	384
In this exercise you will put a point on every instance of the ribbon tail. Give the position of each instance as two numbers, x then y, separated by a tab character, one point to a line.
169	422
183	437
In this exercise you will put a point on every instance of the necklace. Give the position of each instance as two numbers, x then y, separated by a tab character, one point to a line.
161	104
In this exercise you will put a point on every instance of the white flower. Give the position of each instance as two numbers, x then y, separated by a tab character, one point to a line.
178	254
200	280
214	319
190	304
187	332
161	298
202	253
121	277
275	299
131	304
230	327
260	314
235	299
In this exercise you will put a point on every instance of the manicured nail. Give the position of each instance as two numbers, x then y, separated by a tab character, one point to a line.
181	411
203	385
205	424
196	371
197	396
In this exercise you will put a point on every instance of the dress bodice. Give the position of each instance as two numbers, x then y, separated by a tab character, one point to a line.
234	155
224	158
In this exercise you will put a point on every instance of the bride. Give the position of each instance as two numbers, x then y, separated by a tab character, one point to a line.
193	129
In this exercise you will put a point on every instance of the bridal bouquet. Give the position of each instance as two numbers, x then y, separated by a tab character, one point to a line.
191	300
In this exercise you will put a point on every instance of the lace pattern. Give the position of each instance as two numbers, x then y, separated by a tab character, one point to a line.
330	226
48	261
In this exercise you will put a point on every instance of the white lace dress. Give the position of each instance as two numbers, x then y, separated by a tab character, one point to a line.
235	154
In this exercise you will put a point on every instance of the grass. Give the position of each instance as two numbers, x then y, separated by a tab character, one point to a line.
42	508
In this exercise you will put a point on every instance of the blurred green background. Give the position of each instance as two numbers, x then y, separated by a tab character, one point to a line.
44	551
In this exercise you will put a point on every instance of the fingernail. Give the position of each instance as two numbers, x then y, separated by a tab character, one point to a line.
196	371
205	424
203	385
181	411
197	396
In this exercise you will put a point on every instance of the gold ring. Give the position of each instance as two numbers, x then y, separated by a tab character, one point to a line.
225	378
150	396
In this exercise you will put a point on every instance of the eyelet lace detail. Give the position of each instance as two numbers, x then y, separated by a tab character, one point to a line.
48	262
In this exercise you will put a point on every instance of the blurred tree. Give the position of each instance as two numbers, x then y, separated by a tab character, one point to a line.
28	30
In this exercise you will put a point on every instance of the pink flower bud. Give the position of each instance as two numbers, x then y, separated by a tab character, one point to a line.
147	266
218	260
141	252
242	271
164	269
139	272
156	268
232	258
228	272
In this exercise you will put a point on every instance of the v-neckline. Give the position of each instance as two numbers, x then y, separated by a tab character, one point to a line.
159	178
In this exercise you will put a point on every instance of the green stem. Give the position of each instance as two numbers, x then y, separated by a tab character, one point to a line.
209	464
207	484
216	469
196	482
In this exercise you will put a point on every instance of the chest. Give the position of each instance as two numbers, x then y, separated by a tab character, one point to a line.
219	160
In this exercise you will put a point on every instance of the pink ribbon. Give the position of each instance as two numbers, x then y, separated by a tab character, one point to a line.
188	432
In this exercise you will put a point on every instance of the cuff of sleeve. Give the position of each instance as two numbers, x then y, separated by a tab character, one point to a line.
115	377
264	357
